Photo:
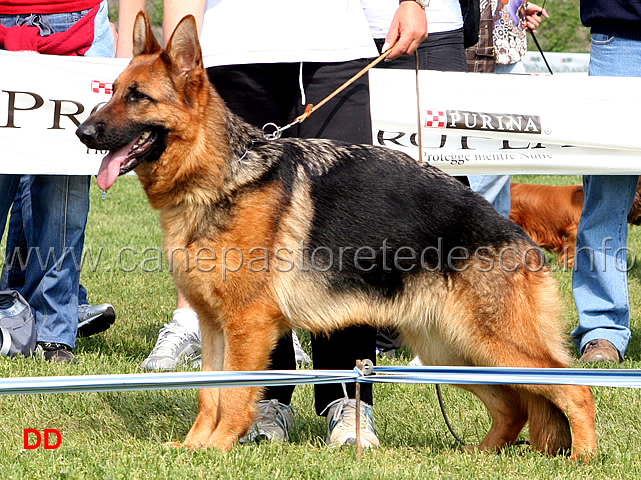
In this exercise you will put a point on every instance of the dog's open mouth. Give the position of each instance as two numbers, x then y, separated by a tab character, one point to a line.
125	159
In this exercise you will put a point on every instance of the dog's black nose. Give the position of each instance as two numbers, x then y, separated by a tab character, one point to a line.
87	132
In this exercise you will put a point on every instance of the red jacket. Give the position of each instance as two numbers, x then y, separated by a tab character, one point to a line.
16	7
75	41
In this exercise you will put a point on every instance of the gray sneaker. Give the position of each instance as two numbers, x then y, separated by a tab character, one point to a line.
273	422
175	346
93	319
302	358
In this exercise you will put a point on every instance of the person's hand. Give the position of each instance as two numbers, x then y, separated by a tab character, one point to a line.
533	16
407	31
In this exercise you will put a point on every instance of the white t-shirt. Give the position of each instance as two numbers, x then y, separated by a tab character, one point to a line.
238	32
442	15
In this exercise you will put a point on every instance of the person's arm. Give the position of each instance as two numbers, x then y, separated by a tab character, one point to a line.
127	11
175	10
408	28
533	16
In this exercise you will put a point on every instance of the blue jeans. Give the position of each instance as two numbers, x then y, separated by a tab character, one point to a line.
600	280
517	67
50	214
14	273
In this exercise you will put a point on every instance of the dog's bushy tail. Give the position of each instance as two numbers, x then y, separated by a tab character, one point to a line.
549	426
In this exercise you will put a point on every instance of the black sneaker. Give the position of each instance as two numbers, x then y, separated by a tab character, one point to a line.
93	319
55	352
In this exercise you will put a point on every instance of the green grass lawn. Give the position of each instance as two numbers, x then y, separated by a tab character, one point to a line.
120	435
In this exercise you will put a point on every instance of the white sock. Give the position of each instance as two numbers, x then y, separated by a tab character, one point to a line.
186	319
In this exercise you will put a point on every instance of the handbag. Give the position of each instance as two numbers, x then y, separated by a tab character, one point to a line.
17	325
480	57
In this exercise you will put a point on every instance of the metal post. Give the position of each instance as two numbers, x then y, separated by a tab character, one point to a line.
366	367
359	446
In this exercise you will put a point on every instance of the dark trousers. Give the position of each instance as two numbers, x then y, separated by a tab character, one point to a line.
442	51
271	93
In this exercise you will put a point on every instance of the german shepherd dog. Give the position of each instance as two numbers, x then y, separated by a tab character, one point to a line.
321	235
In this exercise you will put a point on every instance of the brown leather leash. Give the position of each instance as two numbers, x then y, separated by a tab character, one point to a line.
277	131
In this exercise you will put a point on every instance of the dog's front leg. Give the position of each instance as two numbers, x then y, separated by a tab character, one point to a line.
213	354
249	340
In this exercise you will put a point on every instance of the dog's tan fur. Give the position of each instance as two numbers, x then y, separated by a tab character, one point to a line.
550	215
209	200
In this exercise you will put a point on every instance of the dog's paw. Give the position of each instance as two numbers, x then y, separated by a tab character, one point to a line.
469	448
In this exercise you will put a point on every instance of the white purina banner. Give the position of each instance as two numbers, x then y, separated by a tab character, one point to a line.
43	99
471	123
476	123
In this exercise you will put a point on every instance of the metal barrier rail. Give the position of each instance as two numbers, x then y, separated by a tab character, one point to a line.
627	378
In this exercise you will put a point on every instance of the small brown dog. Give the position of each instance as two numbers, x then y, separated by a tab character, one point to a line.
550	215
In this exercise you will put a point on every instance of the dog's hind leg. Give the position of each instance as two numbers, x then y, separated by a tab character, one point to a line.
524	331
213	352
551	407
549	427
506	409
553	411
507	413
551	430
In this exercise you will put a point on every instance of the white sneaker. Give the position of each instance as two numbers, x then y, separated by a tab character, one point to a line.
341	423
302	358
176	345
273	422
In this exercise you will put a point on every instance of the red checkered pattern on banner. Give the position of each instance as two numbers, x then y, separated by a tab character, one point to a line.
435	119
101	87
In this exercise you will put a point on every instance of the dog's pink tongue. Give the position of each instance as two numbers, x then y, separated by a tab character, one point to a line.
110	168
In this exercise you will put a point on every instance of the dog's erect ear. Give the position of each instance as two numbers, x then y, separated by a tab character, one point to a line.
183	48
144	40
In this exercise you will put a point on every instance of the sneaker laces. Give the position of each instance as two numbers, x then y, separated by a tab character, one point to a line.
269	415
345	412
51	346
169	339
267	411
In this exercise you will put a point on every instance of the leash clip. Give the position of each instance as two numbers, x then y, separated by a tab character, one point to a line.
276	134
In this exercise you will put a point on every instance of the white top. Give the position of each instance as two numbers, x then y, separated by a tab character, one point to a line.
257	31
442	15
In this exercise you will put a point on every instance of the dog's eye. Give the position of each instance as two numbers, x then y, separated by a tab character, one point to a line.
135	96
